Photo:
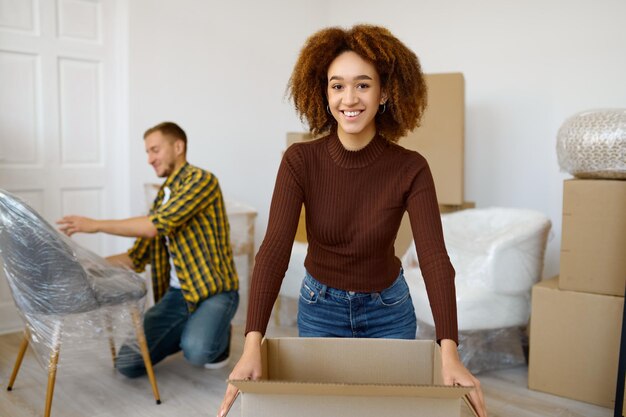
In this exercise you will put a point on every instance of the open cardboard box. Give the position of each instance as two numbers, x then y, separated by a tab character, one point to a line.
311	377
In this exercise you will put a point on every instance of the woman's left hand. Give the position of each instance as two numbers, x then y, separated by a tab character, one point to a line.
455	373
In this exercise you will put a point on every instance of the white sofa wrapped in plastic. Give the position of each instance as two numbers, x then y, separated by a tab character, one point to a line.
498	256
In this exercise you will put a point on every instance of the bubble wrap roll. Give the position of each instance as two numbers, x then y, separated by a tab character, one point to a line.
592	144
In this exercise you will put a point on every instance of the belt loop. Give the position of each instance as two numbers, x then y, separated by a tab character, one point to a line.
323	291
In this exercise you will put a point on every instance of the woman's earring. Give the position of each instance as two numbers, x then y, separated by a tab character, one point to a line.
384	108
328	110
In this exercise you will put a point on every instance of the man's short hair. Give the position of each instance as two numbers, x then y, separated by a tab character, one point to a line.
170	129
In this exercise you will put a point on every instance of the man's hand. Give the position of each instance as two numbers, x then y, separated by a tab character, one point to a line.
77	224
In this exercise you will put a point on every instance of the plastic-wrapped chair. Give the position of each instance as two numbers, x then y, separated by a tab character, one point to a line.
56	284
498	256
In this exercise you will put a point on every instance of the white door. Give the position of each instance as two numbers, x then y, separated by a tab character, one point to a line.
59	113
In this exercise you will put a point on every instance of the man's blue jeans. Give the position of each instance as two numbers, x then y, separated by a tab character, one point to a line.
169	327
330	312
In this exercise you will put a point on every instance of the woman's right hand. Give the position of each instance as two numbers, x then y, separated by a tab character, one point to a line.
248	367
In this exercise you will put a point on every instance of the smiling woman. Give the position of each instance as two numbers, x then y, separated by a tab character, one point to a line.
396	67
365	89
354	95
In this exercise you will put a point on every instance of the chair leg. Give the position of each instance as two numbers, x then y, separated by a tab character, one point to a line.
52	374
141	338
112	346
109	327
18	361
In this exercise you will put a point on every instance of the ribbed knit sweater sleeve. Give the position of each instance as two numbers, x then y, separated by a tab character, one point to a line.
433	258
272	260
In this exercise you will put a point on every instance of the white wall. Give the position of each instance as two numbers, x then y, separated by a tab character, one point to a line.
220	70
527	66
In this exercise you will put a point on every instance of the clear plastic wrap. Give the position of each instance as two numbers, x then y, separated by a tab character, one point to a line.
592	144
487	350
498	256
71	300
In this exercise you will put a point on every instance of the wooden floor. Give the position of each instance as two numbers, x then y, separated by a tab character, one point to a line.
95	390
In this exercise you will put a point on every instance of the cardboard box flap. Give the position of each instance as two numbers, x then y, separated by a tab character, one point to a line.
360	390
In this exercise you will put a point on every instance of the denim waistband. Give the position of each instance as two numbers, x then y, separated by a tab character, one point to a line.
335	292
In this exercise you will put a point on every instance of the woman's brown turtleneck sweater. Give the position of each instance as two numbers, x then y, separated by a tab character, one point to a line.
354	203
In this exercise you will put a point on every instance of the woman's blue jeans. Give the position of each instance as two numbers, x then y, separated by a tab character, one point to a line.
169	327
330	312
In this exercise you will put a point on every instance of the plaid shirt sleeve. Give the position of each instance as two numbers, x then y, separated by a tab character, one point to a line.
197	191
140	254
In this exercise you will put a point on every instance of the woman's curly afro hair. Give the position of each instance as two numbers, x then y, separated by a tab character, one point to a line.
398	67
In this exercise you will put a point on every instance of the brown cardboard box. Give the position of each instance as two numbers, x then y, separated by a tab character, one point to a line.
449	208
310	377
441	136
593	244
574	343
294	137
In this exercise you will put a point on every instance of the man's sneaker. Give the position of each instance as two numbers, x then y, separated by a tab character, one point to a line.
222	360
219	363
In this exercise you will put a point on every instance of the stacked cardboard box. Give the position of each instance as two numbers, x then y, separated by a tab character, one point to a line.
593	244
577	317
